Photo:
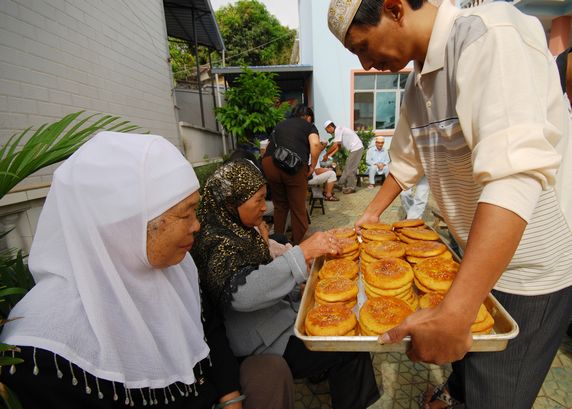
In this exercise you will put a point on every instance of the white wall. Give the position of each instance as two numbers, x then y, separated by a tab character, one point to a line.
61	56
332	65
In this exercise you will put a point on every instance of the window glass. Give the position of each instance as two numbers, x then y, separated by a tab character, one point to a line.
376	99
386	81
364	82
363	110
403	80
385	110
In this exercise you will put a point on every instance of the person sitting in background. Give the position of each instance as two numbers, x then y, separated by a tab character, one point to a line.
378	160
115	315
324	176
254	291
352	143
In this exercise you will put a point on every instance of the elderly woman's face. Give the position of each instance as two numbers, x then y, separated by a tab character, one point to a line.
170	235
253	209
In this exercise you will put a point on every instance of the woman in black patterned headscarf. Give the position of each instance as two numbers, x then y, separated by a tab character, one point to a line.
254	291
224	235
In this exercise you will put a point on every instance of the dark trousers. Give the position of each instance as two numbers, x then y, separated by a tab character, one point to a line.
511	379
267	382
288	195
350	374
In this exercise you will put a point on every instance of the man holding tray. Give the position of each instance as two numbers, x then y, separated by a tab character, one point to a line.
483	117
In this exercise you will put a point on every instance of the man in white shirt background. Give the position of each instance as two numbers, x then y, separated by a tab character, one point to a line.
352	143
377	160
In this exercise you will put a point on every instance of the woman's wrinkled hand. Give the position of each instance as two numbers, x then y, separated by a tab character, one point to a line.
319	244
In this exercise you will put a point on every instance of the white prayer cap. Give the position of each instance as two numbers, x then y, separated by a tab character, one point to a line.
340	15
328	123
379	139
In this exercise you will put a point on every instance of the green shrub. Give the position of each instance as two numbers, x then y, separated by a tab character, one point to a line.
205	171
251	107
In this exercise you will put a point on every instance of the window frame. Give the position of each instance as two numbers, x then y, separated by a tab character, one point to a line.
375	91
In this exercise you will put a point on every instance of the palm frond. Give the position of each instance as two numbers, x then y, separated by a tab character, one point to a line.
51	143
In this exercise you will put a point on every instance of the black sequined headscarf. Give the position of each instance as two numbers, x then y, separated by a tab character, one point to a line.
226	250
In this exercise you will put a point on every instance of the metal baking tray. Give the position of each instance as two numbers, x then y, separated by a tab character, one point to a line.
504	329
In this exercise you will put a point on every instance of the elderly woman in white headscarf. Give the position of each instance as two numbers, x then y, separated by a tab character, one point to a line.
115	316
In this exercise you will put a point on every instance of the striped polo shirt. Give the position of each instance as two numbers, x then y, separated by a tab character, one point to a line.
484	119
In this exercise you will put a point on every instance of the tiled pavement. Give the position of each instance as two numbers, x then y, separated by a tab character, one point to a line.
403	380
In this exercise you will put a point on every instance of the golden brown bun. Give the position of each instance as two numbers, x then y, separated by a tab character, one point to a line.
482	314
339	268
420	234
349	303
376	226
414	260
377	235
379	315
348	246
379	249
436	273
484	325
431	299
388	273
330	320
425	249
408	223
373	292
337	289
421	287
343	232
366	258
404	238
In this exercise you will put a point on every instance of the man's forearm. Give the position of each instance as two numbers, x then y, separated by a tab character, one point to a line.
493	239
388	192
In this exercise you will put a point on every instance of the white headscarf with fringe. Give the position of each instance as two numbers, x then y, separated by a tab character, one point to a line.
98	302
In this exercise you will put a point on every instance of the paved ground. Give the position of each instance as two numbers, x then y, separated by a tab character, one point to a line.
403	380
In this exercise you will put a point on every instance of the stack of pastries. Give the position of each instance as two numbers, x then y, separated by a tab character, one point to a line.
435	274
340	267
330	320
347	239
336	290
380	314
404	266
483	323
376	250
421	250
390	277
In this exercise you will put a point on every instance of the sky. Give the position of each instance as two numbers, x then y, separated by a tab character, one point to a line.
286	11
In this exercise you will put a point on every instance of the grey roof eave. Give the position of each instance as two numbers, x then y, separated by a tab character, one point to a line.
184	18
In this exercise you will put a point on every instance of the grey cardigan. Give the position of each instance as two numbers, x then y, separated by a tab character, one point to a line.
260	317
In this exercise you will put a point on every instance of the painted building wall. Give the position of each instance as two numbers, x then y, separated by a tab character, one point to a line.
331	91
61	56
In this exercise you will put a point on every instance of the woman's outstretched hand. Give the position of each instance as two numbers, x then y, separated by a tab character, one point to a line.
319	244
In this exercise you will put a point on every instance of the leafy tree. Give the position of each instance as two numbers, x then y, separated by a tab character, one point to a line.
253	36
251	107
182	60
